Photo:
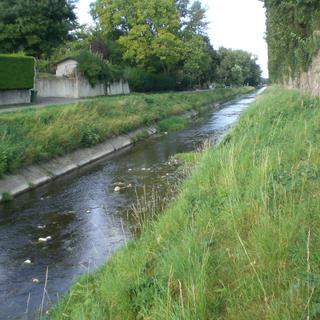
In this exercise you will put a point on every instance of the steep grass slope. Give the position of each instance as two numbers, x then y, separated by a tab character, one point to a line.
242	239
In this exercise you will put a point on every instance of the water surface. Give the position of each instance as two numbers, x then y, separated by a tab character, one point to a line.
86	219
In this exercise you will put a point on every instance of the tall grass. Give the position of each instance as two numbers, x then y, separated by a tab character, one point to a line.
36	135
242	239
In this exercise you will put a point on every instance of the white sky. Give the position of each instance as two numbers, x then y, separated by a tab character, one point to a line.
236	24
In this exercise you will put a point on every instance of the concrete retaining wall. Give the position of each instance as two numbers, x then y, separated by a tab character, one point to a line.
34	176
58	88
118	88
8	97
85	89
77	88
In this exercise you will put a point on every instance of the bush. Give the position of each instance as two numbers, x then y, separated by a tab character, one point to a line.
93	67
16	72
143	81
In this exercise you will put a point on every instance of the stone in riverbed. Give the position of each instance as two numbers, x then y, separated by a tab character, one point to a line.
45	239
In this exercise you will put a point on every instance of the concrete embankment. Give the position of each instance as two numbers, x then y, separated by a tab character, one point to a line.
34	176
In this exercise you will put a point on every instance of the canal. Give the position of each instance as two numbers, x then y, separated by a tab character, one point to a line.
84	220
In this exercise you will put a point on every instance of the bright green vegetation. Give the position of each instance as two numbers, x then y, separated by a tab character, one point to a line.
16	72
241	241
35	135
293	35
174	123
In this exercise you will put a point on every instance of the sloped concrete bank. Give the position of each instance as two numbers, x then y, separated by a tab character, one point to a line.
34	176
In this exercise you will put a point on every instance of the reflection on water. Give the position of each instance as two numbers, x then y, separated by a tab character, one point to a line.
85	217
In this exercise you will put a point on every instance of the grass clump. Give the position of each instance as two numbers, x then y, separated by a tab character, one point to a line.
7	197
173	124
35	135
241	239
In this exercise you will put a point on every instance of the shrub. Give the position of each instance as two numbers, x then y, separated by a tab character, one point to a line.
16	72
93	67
143	81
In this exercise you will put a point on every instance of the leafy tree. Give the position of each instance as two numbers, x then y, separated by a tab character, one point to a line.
35	27
147	30
237	67
194	21
198	61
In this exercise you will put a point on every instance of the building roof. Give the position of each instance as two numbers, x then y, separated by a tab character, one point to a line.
65	59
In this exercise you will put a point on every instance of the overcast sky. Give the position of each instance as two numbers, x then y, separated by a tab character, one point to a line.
237	24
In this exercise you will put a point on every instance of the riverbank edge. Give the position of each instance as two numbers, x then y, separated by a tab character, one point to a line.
234	242
34	176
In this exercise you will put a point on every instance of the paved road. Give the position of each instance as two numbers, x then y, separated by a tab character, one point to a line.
42	102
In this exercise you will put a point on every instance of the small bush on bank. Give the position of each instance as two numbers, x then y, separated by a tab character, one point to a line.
173	124
93	67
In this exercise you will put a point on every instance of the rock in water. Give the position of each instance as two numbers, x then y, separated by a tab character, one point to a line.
45	239
117	189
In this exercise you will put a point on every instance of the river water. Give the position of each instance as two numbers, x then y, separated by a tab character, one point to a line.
85	218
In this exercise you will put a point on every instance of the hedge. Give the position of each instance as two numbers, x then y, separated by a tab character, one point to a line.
16	72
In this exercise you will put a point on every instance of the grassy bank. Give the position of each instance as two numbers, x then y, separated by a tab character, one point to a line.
31	136
240	242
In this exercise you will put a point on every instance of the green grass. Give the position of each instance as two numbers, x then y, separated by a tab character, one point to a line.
174	123
35	135
241	241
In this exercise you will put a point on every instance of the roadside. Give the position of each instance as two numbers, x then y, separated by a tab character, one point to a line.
42	102
239	242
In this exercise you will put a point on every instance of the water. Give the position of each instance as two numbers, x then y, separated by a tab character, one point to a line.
86	219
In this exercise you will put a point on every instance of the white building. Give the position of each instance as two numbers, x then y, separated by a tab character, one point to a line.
66	67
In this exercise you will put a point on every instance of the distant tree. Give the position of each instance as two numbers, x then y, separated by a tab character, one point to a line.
36	27
237	67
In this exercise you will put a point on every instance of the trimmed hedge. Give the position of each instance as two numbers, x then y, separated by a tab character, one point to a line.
16	72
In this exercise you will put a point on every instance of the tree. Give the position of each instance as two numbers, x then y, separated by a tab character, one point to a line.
237	67
147	29
35	27
198	61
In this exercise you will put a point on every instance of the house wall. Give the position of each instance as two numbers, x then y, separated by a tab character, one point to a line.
66	68
8	97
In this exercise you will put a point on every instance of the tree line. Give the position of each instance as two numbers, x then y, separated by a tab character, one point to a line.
159	40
